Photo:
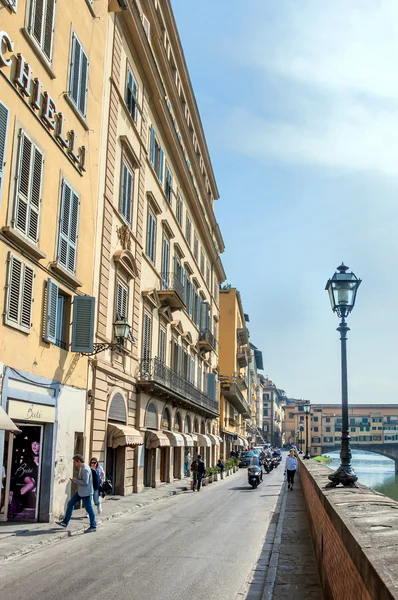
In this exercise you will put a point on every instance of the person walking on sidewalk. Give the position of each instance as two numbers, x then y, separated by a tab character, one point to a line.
198	470
98	476
291	467
84	482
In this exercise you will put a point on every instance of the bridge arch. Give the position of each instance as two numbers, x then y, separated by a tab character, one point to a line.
387	450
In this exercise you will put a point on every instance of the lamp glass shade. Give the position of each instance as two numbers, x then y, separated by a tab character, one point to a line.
121	329
342	289
307	407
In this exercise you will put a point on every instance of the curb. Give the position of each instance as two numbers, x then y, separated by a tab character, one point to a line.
81	528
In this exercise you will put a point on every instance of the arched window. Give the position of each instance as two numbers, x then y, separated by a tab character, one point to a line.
203	427
151	417
187	425
165	419
178	422
196	426
117	409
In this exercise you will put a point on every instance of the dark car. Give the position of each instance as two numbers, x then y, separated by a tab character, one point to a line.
245	458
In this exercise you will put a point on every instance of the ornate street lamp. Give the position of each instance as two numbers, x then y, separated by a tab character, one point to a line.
301	437
121	333
342	288
307	410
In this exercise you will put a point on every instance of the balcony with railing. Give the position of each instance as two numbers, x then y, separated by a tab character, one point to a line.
172	292
207	341
231	389
157	379
243	356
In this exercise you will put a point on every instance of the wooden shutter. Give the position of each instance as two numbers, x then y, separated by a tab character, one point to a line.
165	261
68	228
4	112
151	236
152	148
28	202
211	386
204	315
51	312
78	76
162	344
147	339
131	95
83	324
161	161
19	294
48	29
121	301
127	193
42	24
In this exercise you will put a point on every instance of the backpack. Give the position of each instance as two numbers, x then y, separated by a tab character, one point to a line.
194	466
96	479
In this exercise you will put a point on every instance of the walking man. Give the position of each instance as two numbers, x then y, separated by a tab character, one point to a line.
198	470
291	467
84	482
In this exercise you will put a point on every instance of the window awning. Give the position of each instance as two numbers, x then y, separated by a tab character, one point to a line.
188	439
156	439
176	439
214	439
243	441
203	440
6	424
123	435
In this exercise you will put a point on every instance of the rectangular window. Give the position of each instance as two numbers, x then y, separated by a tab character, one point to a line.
121	300
68	228
28	188
202	261
126	193
151	237
316	428
156	155
19	295
168	184
327	420
4	112
78	78
196	247
165	262
207	274
315	419
57	316
41	25
162	344
179	210
328	429
131	94
188	229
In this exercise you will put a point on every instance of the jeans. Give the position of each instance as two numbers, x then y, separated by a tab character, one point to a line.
96	498
197	479
185	468
87	505
290	476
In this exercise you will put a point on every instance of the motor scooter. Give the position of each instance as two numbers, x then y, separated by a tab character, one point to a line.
254	475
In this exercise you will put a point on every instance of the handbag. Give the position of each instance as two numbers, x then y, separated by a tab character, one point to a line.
106	486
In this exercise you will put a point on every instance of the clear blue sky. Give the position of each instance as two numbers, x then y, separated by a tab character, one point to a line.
299	102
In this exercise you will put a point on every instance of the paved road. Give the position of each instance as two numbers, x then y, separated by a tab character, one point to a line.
197	546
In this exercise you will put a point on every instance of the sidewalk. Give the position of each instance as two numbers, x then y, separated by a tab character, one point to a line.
17	539
286	568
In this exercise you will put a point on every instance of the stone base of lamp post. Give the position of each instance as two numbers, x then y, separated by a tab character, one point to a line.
345	475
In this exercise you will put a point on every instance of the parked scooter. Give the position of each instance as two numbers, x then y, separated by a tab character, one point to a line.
254	472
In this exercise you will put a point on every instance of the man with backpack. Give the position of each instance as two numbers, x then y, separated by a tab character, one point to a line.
198	470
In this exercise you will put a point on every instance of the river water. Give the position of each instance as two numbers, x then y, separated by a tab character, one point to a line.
373	470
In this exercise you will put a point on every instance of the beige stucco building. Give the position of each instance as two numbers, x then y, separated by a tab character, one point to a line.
235	357
51	74
154	400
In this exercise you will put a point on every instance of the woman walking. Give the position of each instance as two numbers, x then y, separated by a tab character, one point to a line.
98	475
291	467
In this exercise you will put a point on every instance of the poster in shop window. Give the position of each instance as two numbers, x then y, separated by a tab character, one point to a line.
25	473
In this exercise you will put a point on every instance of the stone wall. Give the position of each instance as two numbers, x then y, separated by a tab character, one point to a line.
355	537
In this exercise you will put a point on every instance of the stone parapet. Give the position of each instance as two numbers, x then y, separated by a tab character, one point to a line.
355	537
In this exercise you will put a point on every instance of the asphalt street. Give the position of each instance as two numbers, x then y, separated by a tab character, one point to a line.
196	546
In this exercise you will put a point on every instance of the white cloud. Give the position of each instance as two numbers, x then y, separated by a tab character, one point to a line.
337	62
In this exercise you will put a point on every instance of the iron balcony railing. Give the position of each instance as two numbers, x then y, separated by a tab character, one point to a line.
233	387
170	281
206	335
154	370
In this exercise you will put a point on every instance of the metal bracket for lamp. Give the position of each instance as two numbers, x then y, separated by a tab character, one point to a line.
122	333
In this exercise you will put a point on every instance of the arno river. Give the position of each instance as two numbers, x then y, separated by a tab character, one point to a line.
373	470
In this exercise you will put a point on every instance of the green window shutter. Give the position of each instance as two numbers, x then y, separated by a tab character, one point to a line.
4	112
78	79
68	228
147	339
51	312
121	301
152	149
83	324
126	193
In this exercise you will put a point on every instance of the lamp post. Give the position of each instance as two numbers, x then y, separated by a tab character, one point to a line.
342	288
307	409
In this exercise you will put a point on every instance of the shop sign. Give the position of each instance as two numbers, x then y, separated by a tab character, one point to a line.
27	411
41	103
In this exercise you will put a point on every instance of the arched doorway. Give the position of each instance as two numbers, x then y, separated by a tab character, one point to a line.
165	451
151	422
116	457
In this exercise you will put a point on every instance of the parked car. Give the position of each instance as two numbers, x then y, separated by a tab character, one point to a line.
245	458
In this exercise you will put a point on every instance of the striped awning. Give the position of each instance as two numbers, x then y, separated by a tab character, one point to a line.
203	440
176	439
187	439
214	439
156	439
